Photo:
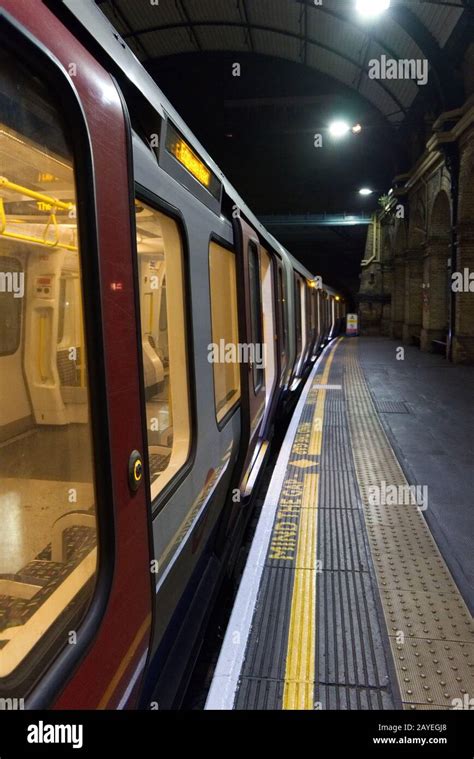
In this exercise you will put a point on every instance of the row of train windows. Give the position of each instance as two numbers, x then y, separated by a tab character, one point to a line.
48	540
48	515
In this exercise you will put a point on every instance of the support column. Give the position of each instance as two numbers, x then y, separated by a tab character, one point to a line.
463	340
387	288
435	291
398	303
413	296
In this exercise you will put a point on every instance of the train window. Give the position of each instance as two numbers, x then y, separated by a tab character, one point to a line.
225	328
10	305
165	362
48	534
256	312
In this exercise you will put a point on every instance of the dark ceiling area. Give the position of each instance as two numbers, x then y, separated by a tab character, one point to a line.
260	129
302	66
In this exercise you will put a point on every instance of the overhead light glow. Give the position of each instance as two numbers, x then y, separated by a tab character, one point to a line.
356	129
339	129
365	191
372	8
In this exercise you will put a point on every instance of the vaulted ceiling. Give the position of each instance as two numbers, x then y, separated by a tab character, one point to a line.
330	37
303	64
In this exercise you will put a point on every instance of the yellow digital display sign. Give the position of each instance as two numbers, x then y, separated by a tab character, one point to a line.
185	155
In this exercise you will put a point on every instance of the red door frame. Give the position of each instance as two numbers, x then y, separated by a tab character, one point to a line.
109	672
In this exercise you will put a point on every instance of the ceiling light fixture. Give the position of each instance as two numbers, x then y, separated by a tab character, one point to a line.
372	8
339	129
365	191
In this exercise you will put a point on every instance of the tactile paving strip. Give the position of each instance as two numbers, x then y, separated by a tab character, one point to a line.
352	645
430	627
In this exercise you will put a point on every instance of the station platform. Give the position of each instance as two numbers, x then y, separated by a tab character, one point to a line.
357	588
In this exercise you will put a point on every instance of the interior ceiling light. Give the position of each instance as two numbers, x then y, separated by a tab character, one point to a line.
372	8
365	191
356	129
339	129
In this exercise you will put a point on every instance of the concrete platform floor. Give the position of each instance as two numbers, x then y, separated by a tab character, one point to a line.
431	427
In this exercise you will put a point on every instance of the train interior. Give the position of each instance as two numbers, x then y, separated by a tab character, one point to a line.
164	349
47	513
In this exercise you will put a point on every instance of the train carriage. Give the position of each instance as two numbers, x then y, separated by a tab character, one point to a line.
150	332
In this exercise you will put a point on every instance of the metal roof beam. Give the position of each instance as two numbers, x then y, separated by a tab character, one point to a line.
285	33
450	89
316	220
242	6
349	19
189	23
304	31
121	17
421	36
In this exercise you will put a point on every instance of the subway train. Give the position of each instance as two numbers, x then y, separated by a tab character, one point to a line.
151	332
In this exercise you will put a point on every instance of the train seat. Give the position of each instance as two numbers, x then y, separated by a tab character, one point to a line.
153	367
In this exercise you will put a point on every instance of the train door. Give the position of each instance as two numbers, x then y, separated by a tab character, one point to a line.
74	521
309	320
269	327
327	319
333	315
299	323
314	322
251	334
282	321
318	319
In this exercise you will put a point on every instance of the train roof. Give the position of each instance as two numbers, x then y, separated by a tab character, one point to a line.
118	52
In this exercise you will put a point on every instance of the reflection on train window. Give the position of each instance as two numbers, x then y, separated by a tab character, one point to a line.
225	329
48	535
161	277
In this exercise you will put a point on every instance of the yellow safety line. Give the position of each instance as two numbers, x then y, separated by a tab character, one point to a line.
315	442
300	658
298	690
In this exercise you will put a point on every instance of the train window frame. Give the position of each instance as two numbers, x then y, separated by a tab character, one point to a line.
144	195
41	680
256	311
221	242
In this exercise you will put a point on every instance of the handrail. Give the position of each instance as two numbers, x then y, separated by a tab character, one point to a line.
4	182
53	202
41	343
